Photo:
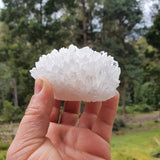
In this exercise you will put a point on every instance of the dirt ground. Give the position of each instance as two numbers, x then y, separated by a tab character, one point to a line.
8	131
141	117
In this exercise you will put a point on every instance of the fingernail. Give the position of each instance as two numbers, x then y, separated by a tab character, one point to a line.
38	85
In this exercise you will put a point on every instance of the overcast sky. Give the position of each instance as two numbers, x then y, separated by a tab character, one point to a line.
147	5
1	4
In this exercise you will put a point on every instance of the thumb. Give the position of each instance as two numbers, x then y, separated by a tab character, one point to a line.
35	122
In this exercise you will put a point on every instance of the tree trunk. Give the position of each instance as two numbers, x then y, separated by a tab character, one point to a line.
159	117
103	31
2	98
90	24
124	97
15	93
84	23
41	23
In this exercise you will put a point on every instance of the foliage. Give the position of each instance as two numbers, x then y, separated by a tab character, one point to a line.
152	65
3	155
4	146
154	33
5	77
11	112
142	108
156	153
138	108
118	20
30	28
118	123
147	91
3	150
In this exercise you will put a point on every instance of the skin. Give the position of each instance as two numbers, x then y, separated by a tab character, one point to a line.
40	136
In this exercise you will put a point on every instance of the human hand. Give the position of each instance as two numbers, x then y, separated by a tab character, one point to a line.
40	136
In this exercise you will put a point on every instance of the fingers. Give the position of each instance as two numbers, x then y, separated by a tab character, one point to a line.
104	122
70	112
54	116
89	114
37	116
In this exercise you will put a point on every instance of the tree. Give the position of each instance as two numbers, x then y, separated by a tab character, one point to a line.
84	22
153	34
146	90
118	19
5	74
5	77
152	66
33	29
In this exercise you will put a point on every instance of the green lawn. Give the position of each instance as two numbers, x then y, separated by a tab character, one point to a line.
3	154
136	146
3	150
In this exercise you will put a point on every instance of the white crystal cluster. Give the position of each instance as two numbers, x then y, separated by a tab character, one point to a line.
79	74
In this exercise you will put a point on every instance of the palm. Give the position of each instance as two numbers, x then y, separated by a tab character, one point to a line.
77	143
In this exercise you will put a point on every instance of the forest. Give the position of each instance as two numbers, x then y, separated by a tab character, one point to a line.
124	29
31	28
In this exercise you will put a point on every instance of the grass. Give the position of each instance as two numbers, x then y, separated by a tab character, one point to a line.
136	146
136	127
4	146
7	131
3	155
3	150
137	115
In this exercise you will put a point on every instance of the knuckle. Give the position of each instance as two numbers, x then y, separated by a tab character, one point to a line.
33	110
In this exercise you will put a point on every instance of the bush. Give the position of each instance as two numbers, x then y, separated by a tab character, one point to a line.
120	110
4	146
3	154
118	123
156	153
10	112
119	133
129	110
143	108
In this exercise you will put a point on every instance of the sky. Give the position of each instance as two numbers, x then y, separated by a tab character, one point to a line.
1	4
147	12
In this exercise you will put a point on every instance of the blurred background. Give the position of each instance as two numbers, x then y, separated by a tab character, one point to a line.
129	30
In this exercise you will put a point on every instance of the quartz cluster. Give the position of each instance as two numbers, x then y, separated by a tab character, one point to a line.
79	74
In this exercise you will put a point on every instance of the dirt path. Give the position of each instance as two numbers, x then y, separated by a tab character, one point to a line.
8	131
142	118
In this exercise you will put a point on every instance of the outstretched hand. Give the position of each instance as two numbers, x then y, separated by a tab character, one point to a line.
40	136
